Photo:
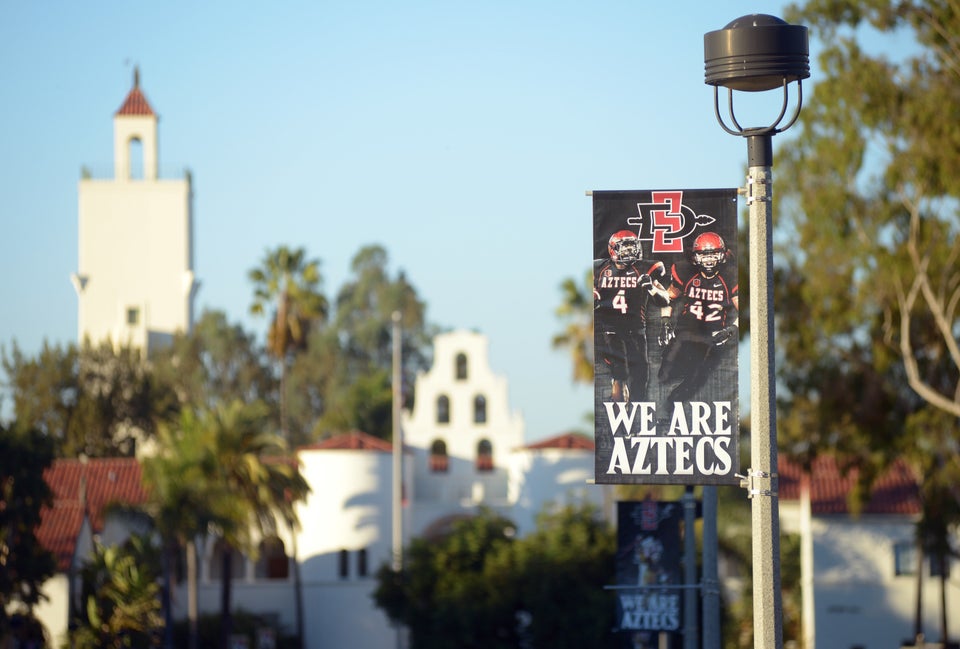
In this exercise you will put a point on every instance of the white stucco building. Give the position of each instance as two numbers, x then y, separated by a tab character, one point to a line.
463	449
134	280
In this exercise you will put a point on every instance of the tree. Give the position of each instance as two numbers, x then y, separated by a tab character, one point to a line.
120	595
559	573
252	465
290	284
99	401
347	368
24	564
185	502
479	586
214	363
576	312
869	195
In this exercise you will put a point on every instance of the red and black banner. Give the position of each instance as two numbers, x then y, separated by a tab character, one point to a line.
665	290
649	595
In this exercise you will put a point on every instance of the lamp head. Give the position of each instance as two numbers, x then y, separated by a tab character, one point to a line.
755	53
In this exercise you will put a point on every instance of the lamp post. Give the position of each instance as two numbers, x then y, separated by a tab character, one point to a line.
756	53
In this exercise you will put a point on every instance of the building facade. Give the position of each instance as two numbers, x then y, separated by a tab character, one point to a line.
864	583
463	449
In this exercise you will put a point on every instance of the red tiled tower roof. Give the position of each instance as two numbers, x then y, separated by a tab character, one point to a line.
135	103
107	481
894	492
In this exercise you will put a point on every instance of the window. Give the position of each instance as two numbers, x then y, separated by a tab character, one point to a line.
272	562
443	409
135	159
904	559
461	369
362	562
344	570
480	409
439	461
484	456
133	316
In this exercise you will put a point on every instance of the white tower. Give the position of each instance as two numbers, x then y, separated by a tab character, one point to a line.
135	278
461	433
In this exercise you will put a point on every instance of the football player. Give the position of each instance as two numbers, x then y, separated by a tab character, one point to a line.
622	287
701	323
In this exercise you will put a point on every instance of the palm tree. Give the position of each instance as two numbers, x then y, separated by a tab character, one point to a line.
576	310
289	283
184	501
253	465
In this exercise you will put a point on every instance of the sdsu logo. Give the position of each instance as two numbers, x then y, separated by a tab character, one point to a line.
666	221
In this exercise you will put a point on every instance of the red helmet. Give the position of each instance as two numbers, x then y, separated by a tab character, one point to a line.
709	252
624	247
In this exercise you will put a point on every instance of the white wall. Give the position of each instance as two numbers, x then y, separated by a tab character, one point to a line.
858	598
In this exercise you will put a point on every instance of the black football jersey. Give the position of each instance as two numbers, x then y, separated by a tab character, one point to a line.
706	303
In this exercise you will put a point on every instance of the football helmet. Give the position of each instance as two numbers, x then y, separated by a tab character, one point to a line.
709	252
624	247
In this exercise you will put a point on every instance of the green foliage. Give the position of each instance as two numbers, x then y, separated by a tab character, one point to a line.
576	313
341	382
222	471
867	290
215	363
479	586
120	595
24	564
96	400
290	284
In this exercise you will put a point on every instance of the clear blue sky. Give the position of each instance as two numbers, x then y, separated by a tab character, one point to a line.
461	136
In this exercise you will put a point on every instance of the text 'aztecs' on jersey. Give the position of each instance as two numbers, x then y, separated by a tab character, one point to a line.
666	332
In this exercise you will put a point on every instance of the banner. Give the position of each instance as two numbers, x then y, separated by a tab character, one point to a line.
665	290
648	563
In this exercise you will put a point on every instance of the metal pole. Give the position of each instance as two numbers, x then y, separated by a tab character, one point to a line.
762	478
711	581
689	569
397	461
397	450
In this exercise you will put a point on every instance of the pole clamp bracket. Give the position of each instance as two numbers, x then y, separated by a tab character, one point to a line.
752	483
751	192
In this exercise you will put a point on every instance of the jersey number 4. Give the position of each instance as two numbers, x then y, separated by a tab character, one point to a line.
620	301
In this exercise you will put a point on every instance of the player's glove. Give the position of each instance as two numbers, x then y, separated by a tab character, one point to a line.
725	335
667	333
645	281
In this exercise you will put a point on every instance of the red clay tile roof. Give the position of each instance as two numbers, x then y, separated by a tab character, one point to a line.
109	480
352	441
565	441
894	492
59	530
135	103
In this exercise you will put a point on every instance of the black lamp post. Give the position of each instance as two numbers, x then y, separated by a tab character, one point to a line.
757	53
